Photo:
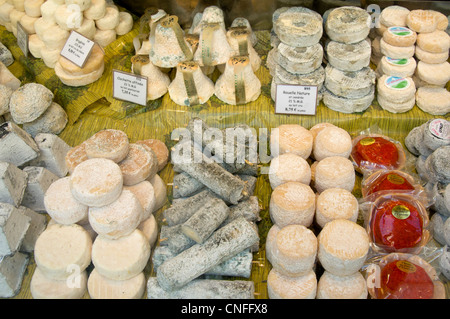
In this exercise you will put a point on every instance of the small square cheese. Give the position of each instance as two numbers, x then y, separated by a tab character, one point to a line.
38	224
13	226
39	180
12	269
13	182
16	145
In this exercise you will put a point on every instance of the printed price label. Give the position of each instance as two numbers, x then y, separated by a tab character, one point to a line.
77	48
130	87
296	99
22	39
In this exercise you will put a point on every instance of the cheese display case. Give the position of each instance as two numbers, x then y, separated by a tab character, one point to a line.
224	149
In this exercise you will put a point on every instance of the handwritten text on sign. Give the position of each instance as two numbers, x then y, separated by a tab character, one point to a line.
296	99
77	48
130	87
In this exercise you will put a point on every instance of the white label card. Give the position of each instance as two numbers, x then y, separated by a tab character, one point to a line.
22	39
77	48
296	99
130	87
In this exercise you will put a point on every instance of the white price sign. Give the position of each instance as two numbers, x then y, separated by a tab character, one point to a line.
296	99
130	87
77	48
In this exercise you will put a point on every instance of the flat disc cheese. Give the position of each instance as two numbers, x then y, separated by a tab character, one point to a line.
108	143
334	172
93	62
138	165
284	287
96	10
75	156
346	105
35	45
291	250
33	7
396	52
336	203
394	16
348	24
159	148
396	107
119	218
396	89
300	60
292	203
42	287
125	23
432	100
60	204
110	20
299	27
289	167
421	21
100	287
437	74
122	258
342	287
349	57
291	138
96	182
400	36
434	42
349	84
145	193
398	67
429	57
343	247
61	246
78	80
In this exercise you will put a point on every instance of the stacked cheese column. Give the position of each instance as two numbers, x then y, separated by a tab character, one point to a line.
349	81
296	58
319	195
25	12
96	20
433	70
395	88
102	212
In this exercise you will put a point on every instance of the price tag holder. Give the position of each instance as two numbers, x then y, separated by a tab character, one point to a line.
22	39
77	48
296	99
130	87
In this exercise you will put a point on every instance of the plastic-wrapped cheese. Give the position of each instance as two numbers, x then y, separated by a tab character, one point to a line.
343	247
292	203
396	89
400	36
348	24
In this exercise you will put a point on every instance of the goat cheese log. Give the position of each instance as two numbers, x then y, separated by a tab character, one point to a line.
198	259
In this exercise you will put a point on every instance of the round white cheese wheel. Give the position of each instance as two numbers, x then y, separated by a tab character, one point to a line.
291	138
396	89
68	17
15	16
159	186
35	45
336	203
42	287
437	74
105	37
343	247
146	195
138	165
429	57
96	182
87	28
41	25
5	10
334	172
27	23
159	148
441	19
59	248
289	167
348	84
94	62
291	250
398	67
96	10
396	52
292	203
353	286
283	287
117	219
50	56
349	57
400	36
432	100
78	80
75	156
149	227
100	287
125	23
316	128
18	4
348	24
122	258
346	105
60	204
299	60
332	141
33	7
48	9
299	27
108	143
434	42
396	107
29	102
55	37
394	16
421	21
110	20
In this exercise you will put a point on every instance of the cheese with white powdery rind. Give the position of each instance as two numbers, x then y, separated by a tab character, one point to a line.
348	24
349	56
347	105
394	16
432	100
350	85
300	60
398	67
396	52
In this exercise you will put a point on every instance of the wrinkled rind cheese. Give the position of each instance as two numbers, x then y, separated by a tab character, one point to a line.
348	57
348	24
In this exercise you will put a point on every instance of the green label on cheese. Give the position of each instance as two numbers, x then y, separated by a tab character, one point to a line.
400	31
397	62
396	82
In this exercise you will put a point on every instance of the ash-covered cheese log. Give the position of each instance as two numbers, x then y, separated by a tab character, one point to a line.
181	211
249	209
206	220
16	145
229	187
177	241
204	289
184	185
197	260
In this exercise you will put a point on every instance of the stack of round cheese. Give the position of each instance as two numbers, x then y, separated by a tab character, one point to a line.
32	106
343	247
292	252
297	58
431	51
95	19
349	81
110	192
